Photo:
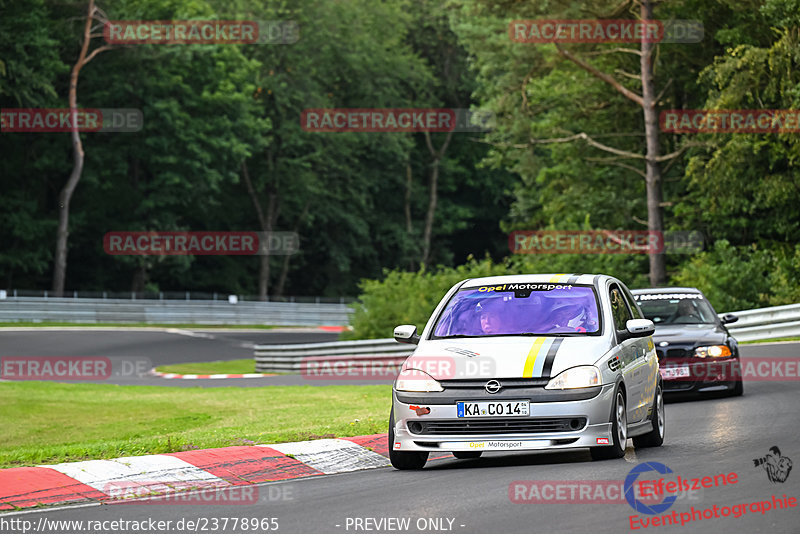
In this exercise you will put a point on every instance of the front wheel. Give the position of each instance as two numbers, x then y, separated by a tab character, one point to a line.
404	460
655	437
619	431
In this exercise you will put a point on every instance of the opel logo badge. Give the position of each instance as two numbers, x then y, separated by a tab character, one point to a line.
492	386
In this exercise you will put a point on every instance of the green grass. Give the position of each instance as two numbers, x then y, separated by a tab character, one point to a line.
229	367
147	325
46	422
770	340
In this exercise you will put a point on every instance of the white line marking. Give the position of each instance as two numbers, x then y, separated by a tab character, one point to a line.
138	474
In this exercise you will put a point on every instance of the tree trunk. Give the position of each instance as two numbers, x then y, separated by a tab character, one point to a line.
433	193
285	267
65	196
139	277
655	222
266	222
407	207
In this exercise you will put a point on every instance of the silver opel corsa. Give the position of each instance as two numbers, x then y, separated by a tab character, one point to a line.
528	362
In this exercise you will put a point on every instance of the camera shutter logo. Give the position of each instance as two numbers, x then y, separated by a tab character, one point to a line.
638	505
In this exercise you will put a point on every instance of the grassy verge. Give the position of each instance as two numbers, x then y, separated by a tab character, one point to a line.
45	422
770	340
229	367
147	325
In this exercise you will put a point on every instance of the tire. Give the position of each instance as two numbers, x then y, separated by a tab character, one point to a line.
404	460
467	455
655	437
738	389
619	431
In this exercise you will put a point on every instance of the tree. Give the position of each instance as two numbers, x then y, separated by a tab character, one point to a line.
93	13
540	62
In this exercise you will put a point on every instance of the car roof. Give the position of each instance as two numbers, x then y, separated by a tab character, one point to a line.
656	290
550	278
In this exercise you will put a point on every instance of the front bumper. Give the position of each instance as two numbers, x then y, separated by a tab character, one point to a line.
592	413
705	375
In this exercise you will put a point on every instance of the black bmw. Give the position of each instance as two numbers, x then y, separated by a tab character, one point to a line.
696	352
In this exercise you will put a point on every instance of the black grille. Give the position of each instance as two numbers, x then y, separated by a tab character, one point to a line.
679	353
502	426
614	363
506	383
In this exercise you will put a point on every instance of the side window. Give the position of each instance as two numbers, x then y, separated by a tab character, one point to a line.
637	313
619	310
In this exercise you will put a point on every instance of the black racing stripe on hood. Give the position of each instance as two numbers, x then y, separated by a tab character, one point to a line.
551	355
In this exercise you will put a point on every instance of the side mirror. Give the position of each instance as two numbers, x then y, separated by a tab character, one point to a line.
729	318
640	327
406	333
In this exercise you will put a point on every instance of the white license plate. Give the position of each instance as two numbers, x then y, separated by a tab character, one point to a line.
510	408
674	372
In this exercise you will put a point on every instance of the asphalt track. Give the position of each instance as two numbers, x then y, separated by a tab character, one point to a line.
164	347
705	437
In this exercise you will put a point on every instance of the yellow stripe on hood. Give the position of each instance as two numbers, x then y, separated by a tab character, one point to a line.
530	361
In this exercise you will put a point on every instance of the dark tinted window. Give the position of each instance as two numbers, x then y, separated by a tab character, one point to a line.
637	314
500	310
619	310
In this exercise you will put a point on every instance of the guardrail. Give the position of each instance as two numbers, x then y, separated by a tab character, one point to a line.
375	353
212	312
767	323
763	323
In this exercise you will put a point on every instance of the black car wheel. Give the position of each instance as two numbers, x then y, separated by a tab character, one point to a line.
655	437
404	460
619	431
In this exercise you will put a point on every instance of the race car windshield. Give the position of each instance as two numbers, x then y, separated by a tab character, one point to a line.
689	308
507	310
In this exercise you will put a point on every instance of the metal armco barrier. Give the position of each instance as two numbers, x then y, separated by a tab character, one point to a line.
291	358
767	323
87	310
762	323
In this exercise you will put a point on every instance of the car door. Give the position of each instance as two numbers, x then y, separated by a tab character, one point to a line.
647	360
629	354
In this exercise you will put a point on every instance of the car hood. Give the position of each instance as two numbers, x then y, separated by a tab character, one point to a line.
689	333
505	357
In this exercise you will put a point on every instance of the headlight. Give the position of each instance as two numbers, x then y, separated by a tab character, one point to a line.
584	376
712	351
416	380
